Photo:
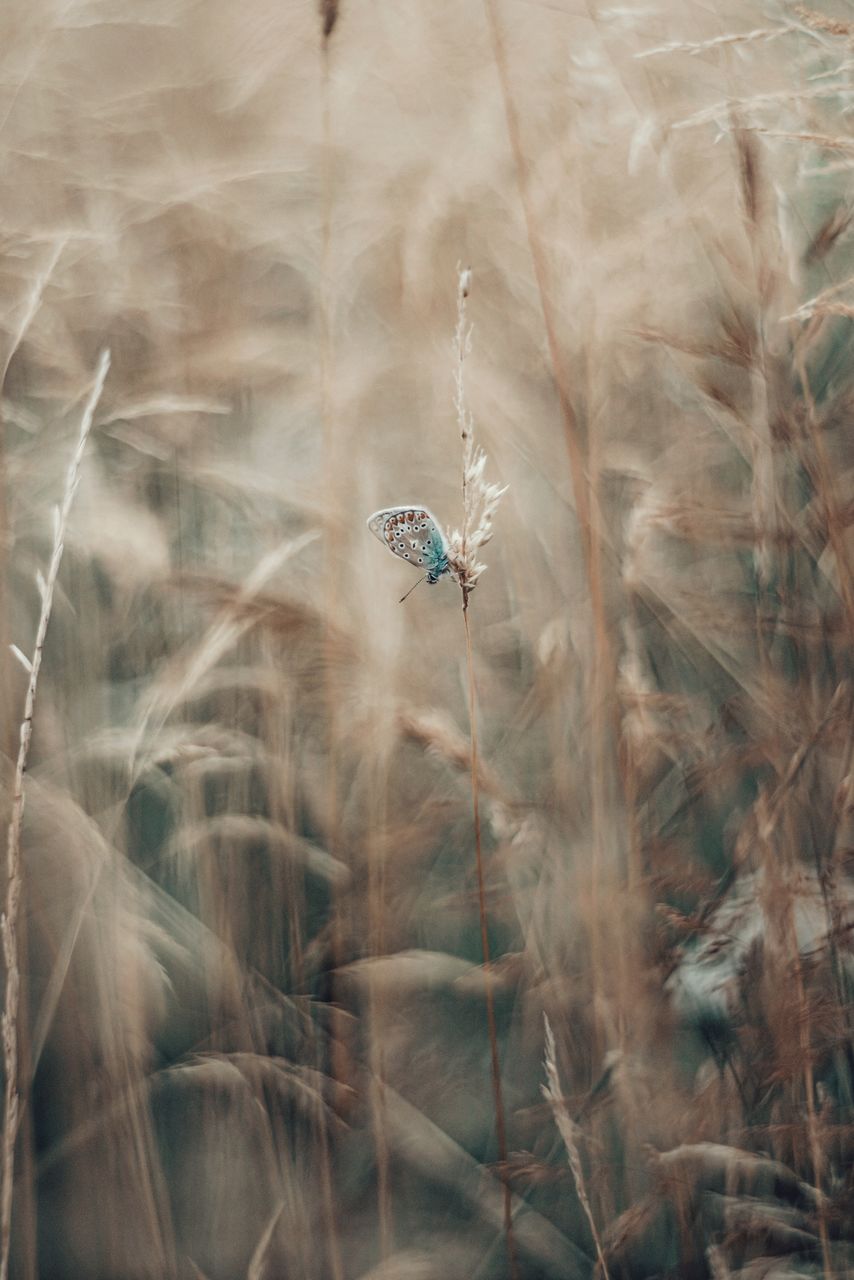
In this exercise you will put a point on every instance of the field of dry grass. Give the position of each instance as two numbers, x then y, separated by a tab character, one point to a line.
249	1033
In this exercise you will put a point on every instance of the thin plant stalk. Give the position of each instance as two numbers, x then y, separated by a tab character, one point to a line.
497	1090
577	465
566	1127
340	1066
765	829
376	1006
14	877
26	1208
585	496
479	502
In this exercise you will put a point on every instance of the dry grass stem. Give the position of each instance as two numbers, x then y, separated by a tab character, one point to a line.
566	1127
821	22
14	878
763	34
480	501
480	498
298	875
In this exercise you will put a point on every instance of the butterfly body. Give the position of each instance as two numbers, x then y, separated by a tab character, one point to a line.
414	535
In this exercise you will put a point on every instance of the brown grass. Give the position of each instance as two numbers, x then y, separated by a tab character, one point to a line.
302	869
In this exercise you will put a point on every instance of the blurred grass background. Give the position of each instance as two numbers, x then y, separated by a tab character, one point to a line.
253	1037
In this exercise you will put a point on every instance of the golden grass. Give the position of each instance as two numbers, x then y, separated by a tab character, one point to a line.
282	999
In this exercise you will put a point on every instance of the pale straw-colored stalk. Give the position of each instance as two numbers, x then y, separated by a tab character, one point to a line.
566	1128
480	501
14	877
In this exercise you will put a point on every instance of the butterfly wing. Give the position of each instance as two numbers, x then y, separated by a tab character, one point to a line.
414	535
378	519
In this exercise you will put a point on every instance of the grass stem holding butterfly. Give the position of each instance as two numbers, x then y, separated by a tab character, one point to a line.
413	534
480	499
479	503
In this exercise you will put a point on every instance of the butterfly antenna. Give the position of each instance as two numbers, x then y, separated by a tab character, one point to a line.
411	589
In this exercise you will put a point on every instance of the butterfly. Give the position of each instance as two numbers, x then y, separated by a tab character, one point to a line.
415	535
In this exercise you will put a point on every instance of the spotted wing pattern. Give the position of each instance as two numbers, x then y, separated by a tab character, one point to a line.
413	534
